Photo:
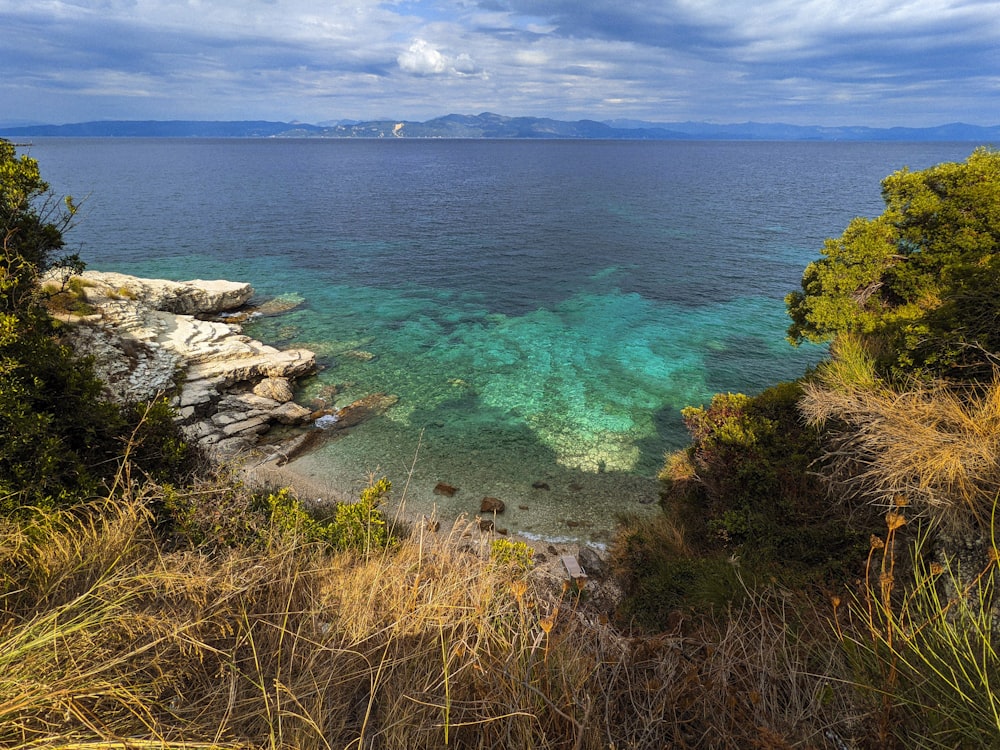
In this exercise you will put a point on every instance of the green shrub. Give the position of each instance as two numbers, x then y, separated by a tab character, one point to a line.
921	282
223	513
748	488
743	507
514	556
361	526
660	577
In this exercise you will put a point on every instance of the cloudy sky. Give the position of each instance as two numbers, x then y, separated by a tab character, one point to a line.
829	62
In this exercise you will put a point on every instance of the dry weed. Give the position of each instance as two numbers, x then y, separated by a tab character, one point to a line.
935	445
106	639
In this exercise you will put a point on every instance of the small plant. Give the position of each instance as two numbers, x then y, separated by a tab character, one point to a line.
69	298
926	650
515	556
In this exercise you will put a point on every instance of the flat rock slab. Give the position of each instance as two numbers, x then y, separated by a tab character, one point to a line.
146	341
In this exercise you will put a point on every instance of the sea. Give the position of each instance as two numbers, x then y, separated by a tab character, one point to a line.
540	311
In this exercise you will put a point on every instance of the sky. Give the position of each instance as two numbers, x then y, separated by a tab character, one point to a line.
877	63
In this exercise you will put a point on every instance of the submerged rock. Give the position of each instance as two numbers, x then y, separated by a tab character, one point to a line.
441	488
326	421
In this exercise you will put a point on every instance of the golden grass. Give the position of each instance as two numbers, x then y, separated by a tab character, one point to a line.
936	446
107	641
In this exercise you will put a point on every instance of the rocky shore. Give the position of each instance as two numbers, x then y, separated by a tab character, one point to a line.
183	340
152	337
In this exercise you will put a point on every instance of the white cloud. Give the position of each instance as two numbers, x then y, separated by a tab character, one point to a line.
879	62
421	59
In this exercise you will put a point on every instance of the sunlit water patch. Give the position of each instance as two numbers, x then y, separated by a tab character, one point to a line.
582	399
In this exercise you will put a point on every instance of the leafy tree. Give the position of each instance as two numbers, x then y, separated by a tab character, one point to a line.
920	283
59	439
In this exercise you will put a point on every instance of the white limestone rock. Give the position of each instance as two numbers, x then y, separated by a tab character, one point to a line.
146	340
277	388
184	297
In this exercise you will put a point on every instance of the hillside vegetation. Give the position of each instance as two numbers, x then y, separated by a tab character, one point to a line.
822	574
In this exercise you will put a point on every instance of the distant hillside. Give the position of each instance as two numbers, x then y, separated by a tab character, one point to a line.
489	125
158	129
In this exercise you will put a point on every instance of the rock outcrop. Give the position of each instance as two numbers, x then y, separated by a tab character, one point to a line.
147	339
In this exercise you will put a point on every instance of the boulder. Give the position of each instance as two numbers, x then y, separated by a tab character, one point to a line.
442	488
492	505
278	389
591	561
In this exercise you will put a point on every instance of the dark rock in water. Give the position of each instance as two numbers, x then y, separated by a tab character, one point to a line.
444	489
575	486
299	446
591	561
503	532
486	524
363	408
572	524
522	507
492	505
540	486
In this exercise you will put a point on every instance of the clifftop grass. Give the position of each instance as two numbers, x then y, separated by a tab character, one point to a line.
108	638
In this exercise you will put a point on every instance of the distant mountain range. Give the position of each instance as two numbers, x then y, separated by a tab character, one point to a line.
489	125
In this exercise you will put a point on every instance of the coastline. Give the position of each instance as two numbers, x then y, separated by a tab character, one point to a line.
548	554
153	337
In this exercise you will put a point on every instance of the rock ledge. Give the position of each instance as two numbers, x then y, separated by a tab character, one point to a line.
146	341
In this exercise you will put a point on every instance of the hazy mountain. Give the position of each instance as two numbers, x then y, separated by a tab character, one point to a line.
159	129
490	125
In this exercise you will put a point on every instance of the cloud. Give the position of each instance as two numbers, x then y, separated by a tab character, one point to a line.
421	59
888	62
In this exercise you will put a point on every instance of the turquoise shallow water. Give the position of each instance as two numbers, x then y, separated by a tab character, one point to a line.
583	397
541	311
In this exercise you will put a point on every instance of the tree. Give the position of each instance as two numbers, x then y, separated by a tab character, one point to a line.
60	439
919	284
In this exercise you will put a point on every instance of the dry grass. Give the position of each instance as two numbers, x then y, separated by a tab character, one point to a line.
106	639
933	445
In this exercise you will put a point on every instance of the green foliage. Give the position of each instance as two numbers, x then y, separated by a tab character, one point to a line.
659	576
922	280
747	487
511	555
357	527
225	514
60	441
361	526
743	507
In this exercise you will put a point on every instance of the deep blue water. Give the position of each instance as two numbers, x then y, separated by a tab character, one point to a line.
542	309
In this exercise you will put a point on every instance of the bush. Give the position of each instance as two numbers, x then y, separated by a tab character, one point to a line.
660	578
747	487
221	513
60	441
921	282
